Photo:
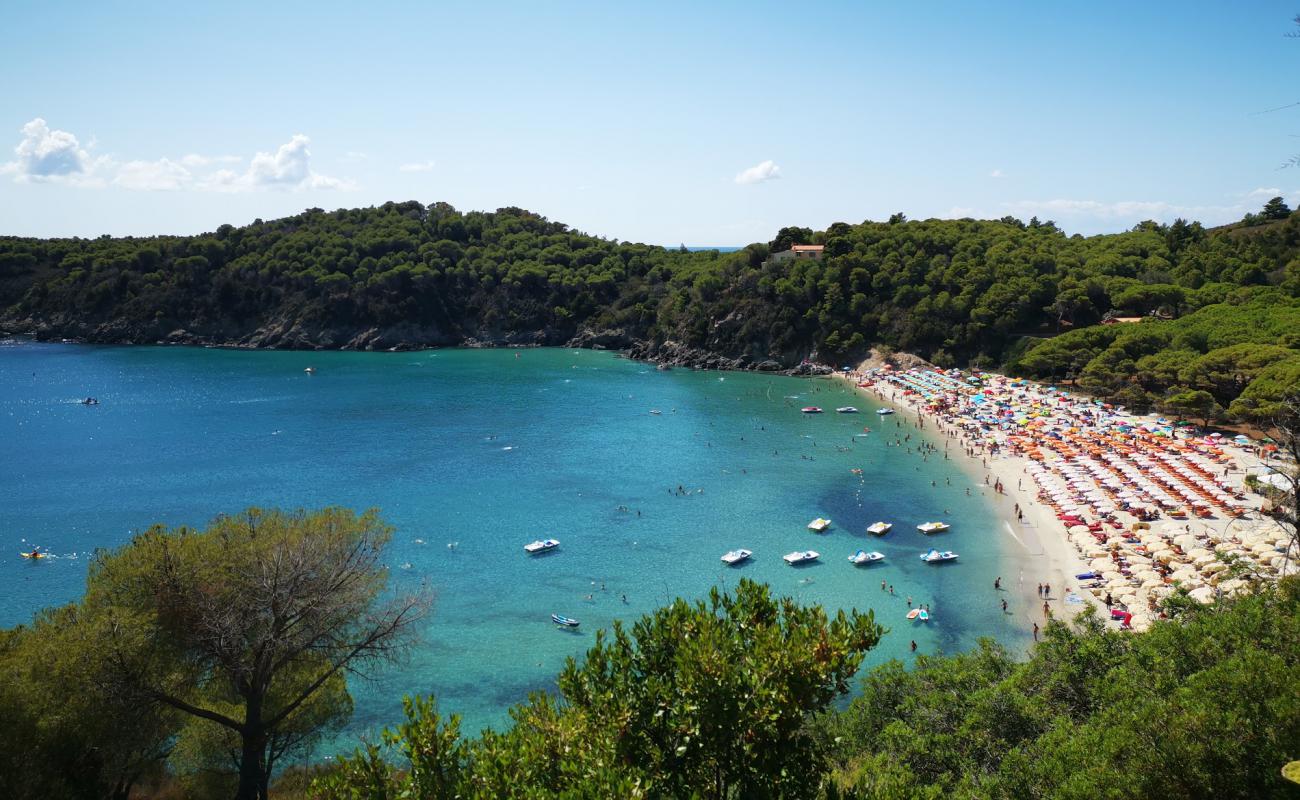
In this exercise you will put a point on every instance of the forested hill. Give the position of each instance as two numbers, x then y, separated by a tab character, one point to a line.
409	275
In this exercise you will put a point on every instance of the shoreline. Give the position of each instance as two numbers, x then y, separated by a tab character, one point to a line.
1114	509
1028	546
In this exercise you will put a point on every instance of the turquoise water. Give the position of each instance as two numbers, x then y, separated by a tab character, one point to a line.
491	451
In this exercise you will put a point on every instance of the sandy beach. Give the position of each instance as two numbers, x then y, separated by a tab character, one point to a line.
1094	503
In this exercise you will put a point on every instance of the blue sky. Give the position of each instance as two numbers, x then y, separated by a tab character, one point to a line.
662	122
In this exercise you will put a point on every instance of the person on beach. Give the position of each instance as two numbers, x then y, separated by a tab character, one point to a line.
1004	606
997	583
1047	609
913	645
1035	631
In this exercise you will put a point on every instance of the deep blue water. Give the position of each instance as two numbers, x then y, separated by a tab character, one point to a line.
490	451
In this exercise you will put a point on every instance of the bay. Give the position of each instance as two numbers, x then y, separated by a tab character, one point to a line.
473	453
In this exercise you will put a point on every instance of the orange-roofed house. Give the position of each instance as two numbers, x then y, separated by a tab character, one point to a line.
813	251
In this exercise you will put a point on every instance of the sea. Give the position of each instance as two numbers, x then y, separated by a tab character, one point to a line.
471	454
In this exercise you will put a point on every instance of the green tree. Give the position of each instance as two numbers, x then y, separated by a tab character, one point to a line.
1193	403
708	699
1275	208
66	737
788	237
249	624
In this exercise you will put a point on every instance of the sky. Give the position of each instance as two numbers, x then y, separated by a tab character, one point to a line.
663	122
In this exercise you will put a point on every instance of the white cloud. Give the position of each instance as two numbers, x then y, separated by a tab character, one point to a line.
289	167
997	173
763	171
161	175
45	154
50	155
417	166
196	160
960	212
1263	192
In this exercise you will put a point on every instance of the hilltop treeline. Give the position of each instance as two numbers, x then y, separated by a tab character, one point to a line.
953	291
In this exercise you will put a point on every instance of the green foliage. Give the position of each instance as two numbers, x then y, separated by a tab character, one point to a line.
1207	706
696	700
1221	349
67	734
221	651
964	291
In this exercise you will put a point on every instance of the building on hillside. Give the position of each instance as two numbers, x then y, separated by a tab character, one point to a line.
813	251
1120	320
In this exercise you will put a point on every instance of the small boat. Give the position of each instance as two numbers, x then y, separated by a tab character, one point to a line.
880	528
938	556
655	411
914	613
884	411
541	546
863	557
90	401
924	615
819	525
310	370
34	555
801	557
737	556
811	410
663	367
933	527
847	410
564	622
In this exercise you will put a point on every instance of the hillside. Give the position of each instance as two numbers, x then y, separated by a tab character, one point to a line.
405	275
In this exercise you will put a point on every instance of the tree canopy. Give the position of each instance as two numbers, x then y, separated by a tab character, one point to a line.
707	699
222	651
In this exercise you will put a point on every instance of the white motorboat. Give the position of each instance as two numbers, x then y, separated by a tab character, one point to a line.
884	411
541	546
736	556
880	528
847	410
811	410
655	411
801	557
863	557
819	525
938	556
933	527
